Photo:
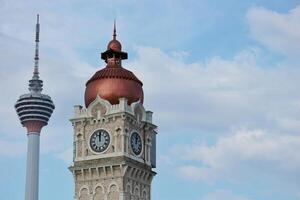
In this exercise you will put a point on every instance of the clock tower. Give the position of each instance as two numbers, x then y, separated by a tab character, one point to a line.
114	137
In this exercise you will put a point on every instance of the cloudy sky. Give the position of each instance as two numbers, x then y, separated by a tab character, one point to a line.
222	78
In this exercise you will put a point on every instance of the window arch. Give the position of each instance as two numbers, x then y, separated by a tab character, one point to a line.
144	195
98	193
83	193
137	191
113	192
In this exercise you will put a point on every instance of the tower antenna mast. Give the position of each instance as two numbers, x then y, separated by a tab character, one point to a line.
37	40
35	84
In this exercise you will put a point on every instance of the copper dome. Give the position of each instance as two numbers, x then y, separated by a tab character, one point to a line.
114	45
114	81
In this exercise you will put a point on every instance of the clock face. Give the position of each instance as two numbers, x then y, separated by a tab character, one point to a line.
136	143
99	140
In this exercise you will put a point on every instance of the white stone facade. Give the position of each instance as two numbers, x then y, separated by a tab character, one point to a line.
117	173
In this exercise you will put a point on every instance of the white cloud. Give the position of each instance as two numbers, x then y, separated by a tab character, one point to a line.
244	156
219	93
277	31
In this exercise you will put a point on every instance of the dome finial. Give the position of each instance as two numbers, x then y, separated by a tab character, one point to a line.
115	30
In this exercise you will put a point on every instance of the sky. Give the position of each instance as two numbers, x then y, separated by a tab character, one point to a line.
222	78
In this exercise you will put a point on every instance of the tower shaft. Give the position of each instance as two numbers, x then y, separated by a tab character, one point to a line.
32	170
34	110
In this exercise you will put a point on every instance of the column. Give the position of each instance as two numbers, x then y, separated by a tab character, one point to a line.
32	170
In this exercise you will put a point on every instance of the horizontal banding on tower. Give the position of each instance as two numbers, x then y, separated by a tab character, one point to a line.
34	111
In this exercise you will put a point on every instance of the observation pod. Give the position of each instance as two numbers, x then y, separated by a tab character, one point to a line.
34	111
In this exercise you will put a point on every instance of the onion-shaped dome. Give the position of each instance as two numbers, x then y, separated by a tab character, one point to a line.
114	81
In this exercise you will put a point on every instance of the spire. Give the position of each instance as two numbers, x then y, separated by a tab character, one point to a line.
114	48
36	58
35	84
115	31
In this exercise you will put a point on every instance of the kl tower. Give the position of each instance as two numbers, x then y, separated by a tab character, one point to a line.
34	110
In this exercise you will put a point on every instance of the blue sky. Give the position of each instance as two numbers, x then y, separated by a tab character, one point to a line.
222	78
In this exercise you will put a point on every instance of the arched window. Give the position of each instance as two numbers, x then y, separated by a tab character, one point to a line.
136	192
99	193
144	195
83	195
79	145
113	192
128	190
